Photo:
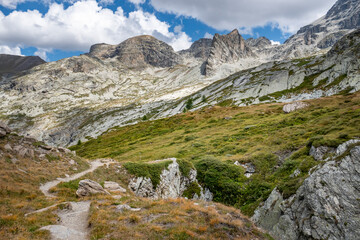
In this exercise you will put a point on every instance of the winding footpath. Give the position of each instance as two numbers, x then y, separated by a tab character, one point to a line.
73	223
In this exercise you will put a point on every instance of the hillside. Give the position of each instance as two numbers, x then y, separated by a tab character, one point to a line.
30	204
274	142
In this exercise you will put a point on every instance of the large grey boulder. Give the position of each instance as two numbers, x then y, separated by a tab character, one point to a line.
291	107
113	187
88	187
326	206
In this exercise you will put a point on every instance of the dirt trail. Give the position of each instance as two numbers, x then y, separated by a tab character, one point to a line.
94	165
73	223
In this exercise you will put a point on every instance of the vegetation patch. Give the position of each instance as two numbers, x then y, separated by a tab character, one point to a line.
152	171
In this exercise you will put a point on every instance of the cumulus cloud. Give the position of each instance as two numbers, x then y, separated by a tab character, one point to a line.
10	50
82	24
289	15
208	35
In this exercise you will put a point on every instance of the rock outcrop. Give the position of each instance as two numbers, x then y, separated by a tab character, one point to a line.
172	184
291	107
228	48
326	206
88	187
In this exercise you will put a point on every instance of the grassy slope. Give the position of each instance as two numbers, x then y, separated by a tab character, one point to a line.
19	189
261	134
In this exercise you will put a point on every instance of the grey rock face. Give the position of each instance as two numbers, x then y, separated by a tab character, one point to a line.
291	107
326	206
138	52
172	184
269	213
318	153
88	187
228	48
199	49
15	64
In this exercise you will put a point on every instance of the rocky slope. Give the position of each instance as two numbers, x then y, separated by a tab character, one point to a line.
324	207
285	81
322	34
11	64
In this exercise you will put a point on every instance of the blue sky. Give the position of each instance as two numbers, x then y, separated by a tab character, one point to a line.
55	29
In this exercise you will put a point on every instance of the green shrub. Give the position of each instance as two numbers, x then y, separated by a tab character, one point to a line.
223	179
191	190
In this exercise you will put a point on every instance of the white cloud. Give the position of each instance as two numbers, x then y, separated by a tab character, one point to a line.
137	2
42	53
290	15
10	50
275	42
11	3
208	35
82	24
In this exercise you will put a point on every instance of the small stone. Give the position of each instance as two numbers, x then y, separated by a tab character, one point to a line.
127	207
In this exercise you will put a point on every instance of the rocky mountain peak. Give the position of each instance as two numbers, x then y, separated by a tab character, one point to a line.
261	42
228	48
138	52
199	49
14	64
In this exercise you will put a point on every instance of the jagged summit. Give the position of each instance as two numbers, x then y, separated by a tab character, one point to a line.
138	52
14	64
228	48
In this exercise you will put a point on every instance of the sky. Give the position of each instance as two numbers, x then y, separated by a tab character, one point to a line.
55	29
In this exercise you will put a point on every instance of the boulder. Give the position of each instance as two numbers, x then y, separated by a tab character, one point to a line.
88	187
4	129
291	107
127	207
113	187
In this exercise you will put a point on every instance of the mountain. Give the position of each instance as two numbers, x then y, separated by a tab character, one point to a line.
138	52
284	81
15	64
143	78
229	48
320	35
